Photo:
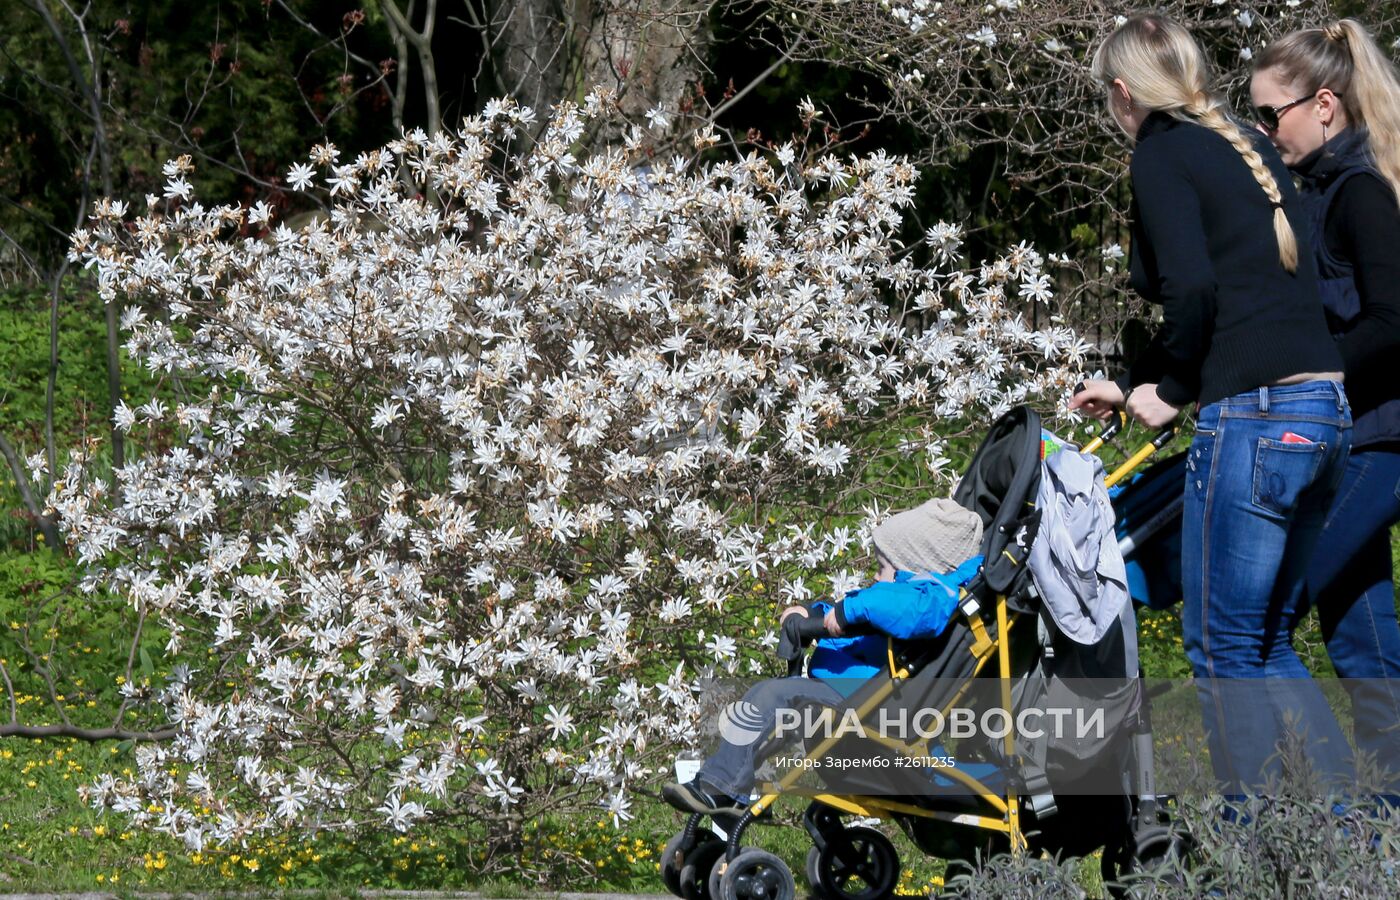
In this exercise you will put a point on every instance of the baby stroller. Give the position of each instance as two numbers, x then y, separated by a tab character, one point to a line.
1000	651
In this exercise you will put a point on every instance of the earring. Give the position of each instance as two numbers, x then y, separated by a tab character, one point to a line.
1327	151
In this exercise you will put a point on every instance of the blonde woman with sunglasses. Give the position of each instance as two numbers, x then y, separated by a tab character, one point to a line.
1217	231
1330	101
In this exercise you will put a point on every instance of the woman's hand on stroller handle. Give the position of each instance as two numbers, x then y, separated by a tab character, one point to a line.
1097	397
1151	410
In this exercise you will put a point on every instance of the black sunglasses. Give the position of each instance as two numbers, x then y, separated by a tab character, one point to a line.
1269	115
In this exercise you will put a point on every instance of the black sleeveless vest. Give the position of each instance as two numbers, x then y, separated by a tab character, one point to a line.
1345	157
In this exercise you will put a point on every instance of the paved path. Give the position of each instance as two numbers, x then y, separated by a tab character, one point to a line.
368	895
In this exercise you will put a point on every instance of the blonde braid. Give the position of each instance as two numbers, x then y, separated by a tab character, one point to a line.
1165	71
1207	110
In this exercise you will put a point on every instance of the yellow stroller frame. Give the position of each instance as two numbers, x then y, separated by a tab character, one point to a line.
984	648
1001	813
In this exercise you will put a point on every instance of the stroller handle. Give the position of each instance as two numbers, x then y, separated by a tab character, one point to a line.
800	631
811	628
1111	429
1146	450
1108	432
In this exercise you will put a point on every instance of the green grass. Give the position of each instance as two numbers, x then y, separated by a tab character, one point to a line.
51	841
54	843
80	396
24	361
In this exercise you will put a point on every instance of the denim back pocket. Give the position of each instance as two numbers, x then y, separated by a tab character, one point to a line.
1283	471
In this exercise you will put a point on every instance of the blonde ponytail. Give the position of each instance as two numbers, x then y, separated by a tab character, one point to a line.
1373	99
1165	71
1344	58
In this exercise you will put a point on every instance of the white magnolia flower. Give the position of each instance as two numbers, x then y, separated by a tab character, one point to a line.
619	808
721	647
300	177
984	36
401	815
560	723
178	187
658	119
559	415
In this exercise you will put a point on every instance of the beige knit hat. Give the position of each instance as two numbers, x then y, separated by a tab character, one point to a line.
937	536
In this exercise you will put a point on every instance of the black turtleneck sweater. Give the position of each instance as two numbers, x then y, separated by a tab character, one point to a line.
1363	229
1203	247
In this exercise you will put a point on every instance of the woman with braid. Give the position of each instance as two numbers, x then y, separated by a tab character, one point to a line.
1217	228
1330	101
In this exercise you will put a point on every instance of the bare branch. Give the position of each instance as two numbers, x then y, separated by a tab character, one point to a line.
86	86
744	91
86	734
130	664
45	525
422	42
51	388
9	692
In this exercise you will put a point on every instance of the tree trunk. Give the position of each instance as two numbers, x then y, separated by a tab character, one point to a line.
650	51
530	42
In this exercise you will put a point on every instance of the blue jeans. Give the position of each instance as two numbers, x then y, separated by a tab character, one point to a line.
730	769
1349	581
1255	505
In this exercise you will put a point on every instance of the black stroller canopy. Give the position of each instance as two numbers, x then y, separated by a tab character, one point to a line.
1000	486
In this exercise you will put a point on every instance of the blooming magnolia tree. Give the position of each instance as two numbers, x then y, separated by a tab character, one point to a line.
451	499
1013	75
1010	120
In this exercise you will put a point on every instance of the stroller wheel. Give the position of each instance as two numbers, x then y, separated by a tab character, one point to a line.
752	875
717	872
1145	855
866	868
673	859
694	881
1158	846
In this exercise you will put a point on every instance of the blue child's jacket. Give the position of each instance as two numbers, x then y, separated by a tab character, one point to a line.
912	607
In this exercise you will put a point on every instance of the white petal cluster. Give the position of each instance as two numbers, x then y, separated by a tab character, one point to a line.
469	480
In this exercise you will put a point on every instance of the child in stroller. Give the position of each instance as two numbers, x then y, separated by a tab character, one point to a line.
925	555
998	648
